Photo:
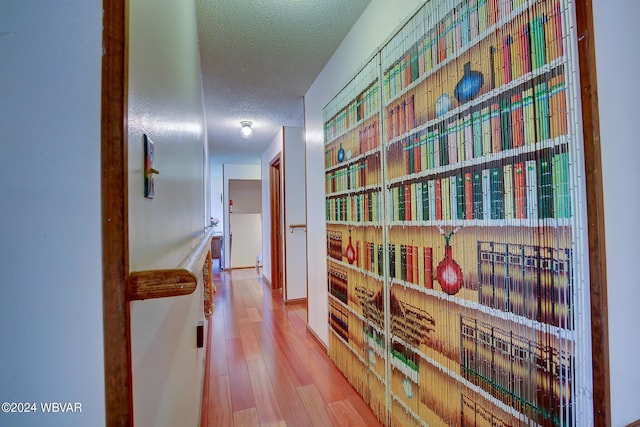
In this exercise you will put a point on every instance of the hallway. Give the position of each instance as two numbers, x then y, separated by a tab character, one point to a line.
265	369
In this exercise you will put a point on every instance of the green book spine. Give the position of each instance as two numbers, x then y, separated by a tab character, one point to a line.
560	175
542	46
415	69
453	197
482	16
542	111
545	186
432	149
555	184
477	195
497	194
425	202
392	261
445	200
537	43
409	169
528	113
476	125
509	211
460	196
424	163
486	130
442	147
505	122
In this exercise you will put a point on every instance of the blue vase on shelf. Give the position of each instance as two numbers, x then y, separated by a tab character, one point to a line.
340	154
469	85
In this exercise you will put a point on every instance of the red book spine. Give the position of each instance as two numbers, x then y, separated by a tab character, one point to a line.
403	115
409	264
414	265
411	112
442	44
468	195
506	58
438	199
517	121
557	18
405	156
376	140
407	70
492	11
428	268
399	119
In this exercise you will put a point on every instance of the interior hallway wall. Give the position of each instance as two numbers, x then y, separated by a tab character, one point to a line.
166	103
616	29
50	228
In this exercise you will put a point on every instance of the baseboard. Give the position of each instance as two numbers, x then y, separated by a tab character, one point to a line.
318	340
266	281
296	301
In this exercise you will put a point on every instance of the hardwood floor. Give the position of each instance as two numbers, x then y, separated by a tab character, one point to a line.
264	368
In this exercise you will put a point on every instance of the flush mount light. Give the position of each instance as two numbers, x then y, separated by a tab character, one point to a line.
246	130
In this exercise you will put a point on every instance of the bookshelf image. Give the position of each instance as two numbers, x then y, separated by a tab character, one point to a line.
454	204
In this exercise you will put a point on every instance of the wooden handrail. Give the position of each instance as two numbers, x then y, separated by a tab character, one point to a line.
174	282
636	423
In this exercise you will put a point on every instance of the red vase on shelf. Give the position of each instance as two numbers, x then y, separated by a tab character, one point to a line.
448	272
350	252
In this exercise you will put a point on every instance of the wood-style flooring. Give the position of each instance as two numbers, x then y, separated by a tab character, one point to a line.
264	368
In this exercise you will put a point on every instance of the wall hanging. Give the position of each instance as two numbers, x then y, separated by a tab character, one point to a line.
457	269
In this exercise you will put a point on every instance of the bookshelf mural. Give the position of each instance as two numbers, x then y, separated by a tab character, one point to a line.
457	279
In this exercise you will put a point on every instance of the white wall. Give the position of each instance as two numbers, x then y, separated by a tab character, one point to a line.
217	190
270	153
166	102
295	212
377	22
50	228
232	172
618	61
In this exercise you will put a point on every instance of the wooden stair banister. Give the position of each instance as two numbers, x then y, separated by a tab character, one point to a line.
163	283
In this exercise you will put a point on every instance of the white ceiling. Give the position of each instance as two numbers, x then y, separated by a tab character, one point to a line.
259	58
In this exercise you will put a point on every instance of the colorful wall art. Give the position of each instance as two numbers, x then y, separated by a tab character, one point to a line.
457	275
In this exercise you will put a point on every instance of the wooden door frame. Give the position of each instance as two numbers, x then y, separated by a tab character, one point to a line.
595	214
115	234
115	256
275	204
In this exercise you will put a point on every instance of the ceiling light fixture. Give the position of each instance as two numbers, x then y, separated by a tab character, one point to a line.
246	130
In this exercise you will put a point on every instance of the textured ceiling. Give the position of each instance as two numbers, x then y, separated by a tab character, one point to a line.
258	58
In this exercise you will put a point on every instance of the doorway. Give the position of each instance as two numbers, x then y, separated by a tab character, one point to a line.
275	203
